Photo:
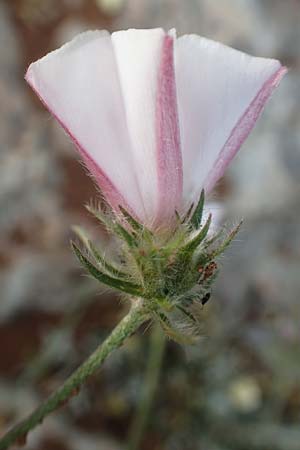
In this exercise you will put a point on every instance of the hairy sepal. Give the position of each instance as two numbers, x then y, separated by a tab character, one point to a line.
198	213
172	272
116	283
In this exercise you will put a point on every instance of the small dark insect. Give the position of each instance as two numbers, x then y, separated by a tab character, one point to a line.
205	299
209	270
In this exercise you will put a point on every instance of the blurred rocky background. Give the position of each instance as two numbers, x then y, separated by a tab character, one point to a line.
239	389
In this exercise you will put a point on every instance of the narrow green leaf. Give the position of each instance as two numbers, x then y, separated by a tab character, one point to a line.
132	222
196	241
135	225
214	238
103	219
188	214
113	226
81	234
227	241
198	213
121	285
125	235
108	267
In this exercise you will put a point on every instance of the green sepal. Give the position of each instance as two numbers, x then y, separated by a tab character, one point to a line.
103	219
113	226
226	242
81	234
121	285
188	214
213	239
198	213
125	235
108	267
170	270
135	225
196	241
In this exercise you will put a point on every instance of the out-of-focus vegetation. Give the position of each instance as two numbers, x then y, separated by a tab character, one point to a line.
239	389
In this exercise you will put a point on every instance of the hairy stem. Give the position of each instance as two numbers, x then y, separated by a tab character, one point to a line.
155	358
126	327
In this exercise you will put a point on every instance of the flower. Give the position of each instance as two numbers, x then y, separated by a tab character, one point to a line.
155	118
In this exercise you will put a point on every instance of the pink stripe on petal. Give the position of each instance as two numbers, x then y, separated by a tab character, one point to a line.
169	159
108	189
110	192
242	129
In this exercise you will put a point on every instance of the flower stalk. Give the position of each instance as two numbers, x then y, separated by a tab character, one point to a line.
126	327
155	358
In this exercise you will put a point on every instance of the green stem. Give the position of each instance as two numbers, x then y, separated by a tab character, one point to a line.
126	327
156	353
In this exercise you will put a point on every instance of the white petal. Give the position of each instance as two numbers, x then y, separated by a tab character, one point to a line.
79	84
221	92
138	55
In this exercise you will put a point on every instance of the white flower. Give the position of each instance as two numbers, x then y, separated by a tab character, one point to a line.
156	119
